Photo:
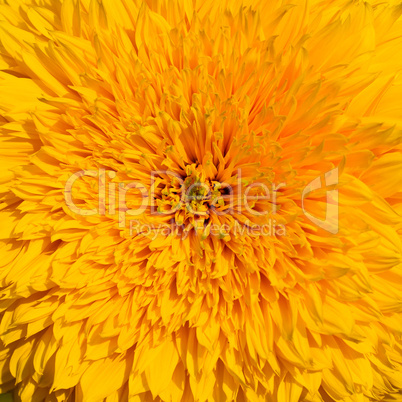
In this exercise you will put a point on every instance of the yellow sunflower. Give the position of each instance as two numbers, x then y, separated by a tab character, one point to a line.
201	200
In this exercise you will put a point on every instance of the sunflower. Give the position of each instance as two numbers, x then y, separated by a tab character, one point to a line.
201	200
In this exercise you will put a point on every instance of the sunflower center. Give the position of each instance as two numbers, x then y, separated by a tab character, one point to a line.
193	199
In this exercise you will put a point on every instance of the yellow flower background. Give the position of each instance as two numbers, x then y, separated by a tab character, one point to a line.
281	91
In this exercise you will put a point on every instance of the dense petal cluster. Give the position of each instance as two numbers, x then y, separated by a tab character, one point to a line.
117	116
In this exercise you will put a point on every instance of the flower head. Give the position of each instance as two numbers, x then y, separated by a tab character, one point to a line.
201	200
